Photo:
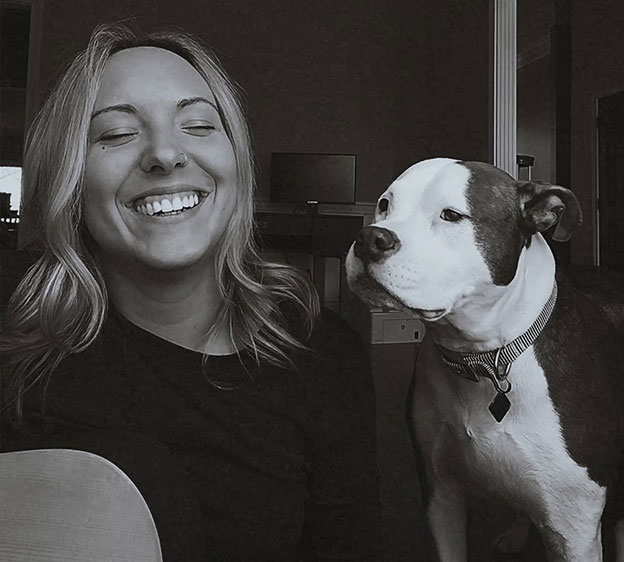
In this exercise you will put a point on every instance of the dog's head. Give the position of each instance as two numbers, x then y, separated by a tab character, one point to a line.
446	229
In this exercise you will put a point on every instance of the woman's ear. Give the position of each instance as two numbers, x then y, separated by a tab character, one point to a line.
543	205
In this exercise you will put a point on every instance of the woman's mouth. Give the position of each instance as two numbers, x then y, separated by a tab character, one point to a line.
168	204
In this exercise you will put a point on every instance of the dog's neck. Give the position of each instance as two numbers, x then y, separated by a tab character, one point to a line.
493	317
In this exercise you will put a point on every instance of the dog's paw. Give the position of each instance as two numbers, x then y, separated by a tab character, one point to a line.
513	539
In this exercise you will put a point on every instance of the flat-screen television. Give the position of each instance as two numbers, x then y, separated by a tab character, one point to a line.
323	178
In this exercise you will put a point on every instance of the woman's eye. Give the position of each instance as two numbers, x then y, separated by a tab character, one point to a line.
115	137
199	128
450	215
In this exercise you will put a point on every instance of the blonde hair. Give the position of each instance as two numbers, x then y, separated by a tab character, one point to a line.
61	303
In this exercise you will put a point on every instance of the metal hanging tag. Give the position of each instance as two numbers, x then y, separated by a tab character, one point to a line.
501	404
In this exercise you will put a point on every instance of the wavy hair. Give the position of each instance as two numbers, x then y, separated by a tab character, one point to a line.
61	303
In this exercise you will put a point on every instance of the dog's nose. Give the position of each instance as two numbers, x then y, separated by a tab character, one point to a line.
373	243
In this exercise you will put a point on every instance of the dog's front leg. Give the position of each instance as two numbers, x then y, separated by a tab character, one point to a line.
447	519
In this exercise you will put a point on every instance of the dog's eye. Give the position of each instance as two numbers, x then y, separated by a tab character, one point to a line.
383	205
450	215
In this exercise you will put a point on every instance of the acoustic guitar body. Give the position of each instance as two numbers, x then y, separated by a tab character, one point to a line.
72	506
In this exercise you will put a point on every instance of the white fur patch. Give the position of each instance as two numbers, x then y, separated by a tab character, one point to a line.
438	264
522	461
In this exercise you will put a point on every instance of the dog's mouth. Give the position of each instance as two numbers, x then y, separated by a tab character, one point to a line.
373	292
429	315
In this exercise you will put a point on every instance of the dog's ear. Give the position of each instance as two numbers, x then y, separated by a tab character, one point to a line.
543	205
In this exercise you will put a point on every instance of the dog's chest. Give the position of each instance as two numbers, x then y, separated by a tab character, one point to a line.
522	458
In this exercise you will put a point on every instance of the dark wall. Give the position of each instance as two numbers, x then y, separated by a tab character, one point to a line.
534	20
393	81
458	80
14	31
536	117
536	86
597	71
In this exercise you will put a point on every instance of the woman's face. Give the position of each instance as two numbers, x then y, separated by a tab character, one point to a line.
160	178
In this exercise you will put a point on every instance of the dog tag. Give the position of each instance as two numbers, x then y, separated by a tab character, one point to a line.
499	406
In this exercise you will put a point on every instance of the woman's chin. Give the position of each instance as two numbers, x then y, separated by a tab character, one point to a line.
166	260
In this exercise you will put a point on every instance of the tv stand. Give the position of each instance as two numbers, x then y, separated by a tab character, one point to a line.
311	239
312	233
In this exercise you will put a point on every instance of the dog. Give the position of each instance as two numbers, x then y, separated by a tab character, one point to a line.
514	395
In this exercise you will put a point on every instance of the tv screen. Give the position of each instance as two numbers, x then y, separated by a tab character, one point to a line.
324	178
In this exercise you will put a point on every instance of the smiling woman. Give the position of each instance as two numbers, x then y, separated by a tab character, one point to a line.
151	332
157	150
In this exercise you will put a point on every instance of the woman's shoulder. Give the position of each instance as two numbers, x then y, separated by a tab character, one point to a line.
335	378
336	354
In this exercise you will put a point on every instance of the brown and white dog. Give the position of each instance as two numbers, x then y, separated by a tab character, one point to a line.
513	394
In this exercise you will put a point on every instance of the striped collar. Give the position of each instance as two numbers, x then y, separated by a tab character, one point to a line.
495	364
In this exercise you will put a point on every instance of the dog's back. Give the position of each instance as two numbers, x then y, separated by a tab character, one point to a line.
604	289
579	353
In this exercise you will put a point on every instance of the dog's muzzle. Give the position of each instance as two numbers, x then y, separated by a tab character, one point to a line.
374	243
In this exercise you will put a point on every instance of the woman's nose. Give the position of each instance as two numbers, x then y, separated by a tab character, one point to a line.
162	156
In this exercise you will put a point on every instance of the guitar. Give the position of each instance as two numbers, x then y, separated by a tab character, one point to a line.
72	506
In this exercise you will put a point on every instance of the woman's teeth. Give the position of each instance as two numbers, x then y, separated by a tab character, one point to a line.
166	204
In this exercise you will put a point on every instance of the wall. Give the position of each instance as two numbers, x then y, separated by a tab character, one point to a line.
15	22
597	71
536	87
534	20
536	117
393	81
457	105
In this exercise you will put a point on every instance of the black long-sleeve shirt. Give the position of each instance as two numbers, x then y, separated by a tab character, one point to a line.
281	467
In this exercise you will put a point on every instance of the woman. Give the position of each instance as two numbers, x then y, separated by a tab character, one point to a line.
152	333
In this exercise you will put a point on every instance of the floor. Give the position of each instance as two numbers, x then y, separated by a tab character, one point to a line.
406	535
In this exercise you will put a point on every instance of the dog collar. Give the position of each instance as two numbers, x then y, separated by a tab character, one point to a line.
495	364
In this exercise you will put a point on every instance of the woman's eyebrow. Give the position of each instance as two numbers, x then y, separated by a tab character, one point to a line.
190	101
123	107
127	108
